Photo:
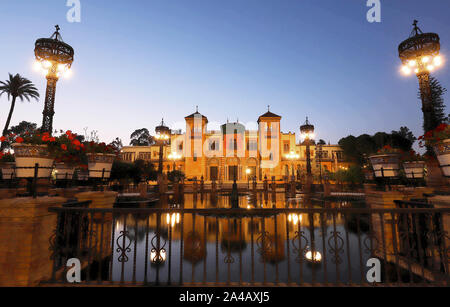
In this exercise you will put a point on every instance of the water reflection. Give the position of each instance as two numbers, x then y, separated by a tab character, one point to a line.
221	247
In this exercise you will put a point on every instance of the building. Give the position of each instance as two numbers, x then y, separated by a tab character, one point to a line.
234	152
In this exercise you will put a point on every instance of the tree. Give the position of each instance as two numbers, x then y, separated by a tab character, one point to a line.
176	176
137	171
144	171
17	87
117	144
322	142
141	137
438	115
403	139
357	148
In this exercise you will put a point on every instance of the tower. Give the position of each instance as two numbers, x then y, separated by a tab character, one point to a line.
269	131
196	126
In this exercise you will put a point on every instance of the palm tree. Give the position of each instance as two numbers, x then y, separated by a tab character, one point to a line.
17	87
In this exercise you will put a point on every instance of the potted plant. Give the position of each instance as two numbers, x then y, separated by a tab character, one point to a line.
100	159
414	165
7	165
69	154
31	149
439	139
386	163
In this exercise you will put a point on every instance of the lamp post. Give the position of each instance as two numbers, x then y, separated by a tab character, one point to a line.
420	54
174	157
162	137
307	133
319	153
293	156
56	58
248	172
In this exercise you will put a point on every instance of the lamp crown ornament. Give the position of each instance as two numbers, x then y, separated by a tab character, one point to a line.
307	127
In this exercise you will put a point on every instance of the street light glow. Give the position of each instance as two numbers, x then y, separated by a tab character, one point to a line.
425	59
437	61
406	70
412	63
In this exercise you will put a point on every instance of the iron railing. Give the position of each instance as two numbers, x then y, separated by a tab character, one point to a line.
252	247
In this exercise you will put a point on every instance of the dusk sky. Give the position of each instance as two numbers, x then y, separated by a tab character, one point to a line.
139	61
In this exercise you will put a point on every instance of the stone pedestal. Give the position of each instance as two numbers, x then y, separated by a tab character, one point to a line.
293	188
435	178
162	184
99	200
142	188
309	183
26	226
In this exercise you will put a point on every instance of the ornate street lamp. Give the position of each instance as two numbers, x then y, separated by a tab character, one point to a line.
307	133
174	157
420	54
56	58
293	156
248	172
162	138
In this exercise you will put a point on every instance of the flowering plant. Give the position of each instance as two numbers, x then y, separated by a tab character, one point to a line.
7	157
66	148
389	150
412	156
100	148
30	137
69	150
431	138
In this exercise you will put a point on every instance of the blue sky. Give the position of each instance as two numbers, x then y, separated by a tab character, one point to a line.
138	61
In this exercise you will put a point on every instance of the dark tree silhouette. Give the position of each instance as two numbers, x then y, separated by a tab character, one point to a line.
17	87
117	144
141	137
357	148
438	114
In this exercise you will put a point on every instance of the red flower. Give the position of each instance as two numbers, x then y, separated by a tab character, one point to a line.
441	127
19	140
64	147
2	139
76	143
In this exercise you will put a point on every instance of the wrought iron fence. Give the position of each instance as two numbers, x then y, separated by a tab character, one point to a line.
252	247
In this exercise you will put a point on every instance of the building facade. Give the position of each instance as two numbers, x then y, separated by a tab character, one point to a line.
234	152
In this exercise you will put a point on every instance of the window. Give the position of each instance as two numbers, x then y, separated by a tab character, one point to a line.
213	146
252	145
287	147
214	172
180	146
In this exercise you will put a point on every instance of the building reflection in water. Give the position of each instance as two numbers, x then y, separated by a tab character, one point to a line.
216	247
